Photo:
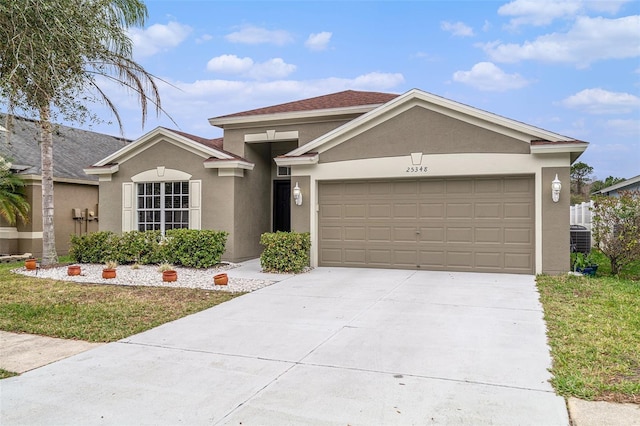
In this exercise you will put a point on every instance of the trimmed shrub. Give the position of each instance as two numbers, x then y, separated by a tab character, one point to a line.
194	248
285	251
136	247
186	247
92	248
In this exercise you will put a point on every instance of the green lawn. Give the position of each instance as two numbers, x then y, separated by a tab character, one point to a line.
594	333
94	313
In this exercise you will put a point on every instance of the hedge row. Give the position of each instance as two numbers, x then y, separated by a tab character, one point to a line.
185	247
285	251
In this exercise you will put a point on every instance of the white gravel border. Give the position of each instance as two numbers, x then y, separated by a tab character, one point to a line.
148	275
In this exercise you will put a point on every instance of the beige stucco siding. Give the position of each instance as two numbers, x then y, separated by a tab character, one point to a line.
216	192
422	130
234	138
555	222
28	237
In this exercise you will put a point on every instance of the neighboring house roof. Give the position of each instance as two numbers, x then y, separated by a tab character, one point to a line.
73	148
341	103
541	141
629	184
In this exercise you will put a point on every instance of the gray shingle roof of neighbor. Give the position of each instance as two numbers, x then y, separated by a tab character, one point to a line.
73	149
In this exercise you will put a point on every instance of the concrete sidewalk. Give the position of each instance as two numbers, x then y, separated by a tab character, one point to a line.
334	346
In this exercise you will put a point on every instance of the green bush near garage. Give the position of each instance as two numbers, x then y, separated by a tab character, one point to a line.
183	247
285	251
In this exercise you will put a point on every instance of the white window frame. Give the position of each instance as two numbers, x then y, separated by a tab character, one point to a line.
160	174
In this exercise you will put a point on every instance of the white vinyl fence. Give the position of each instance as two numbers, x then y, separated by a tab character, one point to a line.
581	214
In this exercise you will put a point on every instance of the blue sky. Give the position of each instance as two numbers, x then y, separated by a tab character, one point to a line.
572	67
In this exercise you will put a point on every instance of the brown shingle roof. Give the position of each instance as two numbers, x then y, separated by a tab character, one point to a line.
348	98
211	143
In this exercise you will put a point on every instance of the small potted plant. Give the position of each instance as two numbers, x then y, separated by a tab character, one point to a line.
220	279
109	270
585	264
73	270
168	273
31	263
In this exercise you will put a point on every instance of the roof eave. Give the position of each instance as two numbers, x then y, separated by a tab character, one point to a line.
284	161
295	115
108	169
228	164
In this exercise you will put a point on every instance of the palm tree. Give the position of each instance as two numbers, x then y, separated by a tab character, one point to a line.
13	201
53	56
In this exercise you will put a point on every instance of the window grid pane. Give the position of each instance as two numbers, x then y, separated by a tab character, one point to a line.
163	206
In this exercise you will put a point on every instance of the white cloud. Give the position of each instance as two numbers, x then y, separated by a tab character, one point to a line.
487	76
544	12
229	64
318	41
250	34
624	127
599	101
538	12
275	68
204	38
458	29
589	40
157	38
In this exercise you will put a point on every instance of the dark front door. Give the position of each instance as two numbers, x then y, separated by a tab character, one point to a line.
281	205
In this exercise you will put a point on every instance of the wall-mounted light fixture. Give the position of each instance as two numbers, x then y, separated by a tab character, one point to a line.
297	195
556	186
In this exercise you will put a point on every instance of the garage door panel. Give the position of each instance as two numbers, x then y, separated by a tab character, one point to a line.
355	233
488	235
355	256
459	235
432	259
459	187
488	186
489	260
405	258
431	235
483	224
330	211
380	257
518	185
460	259
404	234
432	210
405	211
432	187
522	236
331	233
355	211
488	210
459	210
380	234
518	262
380	211
519	210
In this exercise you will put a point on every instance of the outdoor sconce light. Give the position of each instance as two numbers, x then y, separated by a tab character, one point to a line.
556	186
297	195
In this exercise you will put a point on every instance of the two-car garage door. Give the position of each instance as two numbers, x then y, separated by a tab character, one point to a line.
483	224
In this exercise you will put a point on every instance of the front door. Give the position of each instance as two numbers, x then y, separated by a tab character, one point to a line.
281	205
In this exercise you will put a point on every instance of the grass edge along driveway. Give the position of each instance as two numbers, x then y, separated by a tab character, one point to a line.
593	328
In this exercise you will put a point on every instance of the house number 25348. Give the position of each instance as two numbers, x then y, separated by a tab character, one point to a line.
416	169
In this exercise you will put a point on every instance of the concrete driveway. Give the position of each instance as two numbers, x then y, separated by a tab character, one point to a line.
334	346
